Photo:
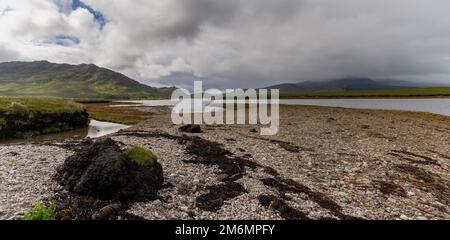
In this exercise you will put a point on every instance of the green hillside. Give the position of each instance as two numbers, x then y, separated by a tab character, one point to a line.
85	81
393	93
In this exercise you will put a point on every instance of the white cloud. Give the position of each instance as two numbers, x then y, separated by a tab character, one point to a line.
241	43
29	28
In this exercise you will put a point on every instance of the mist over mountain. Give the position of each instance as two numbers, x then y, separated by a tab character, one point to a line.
42	78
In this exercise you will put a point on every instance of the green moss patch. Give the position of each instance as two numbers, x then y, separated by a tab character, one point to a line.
141	156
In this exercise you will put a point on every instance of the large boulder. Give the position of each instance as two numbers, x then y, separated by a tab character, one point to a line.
103	171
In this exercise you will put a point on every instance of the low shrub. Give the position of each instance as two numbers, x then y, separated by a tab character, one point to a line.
41	212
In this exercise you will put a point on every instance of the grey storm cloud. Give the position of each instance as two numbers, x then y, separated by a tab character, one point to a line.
7	54
237	43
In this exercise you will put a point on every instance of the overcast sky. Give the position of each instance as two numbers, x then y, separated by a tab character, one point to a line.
234	43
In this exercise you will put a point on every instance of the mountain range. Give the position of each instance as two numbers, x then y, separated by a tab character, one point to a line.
88	81
349	84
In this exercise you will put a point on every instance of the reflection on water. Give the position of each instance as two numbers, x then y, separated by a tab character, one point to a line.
100	129
96	129
59	137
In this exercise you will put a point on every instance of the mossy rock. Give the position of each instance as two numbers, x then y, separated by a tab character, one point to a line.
141	156
102	170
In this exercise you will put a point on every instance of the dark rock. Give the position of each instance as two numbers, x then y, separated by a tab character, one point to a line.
109	212
102	171
191	128
64	214
253	130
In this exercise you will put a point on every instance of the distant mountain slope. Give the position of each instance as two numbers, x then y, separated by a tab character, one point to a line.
42	78
343	84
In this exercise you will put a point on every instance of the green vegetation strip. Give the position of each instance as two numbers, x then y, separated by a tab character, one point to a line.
24	105
110	112
397	93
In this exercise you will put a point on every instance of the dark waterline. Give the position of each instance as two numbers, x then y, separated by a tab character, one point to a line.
96	129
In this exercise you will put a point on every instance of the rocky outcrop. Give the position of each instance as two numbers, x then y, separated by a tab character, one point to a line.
102	171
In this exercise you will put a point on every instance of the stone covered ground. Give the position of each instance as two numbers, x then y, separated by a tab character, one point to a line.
326	163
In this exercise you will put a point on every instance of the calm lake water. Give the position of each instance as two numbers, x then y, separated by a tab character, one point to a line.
438	105
435	105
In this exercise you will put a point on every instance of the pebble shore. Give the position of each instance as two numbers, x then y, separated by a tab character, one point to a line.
326	163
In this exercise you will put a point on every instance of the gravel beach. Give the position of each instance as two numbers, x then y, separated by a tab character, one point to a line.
325	163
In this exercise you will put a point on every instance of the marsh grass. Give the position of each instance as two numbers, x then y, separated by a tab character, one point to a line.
25	117
104	111
29	105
